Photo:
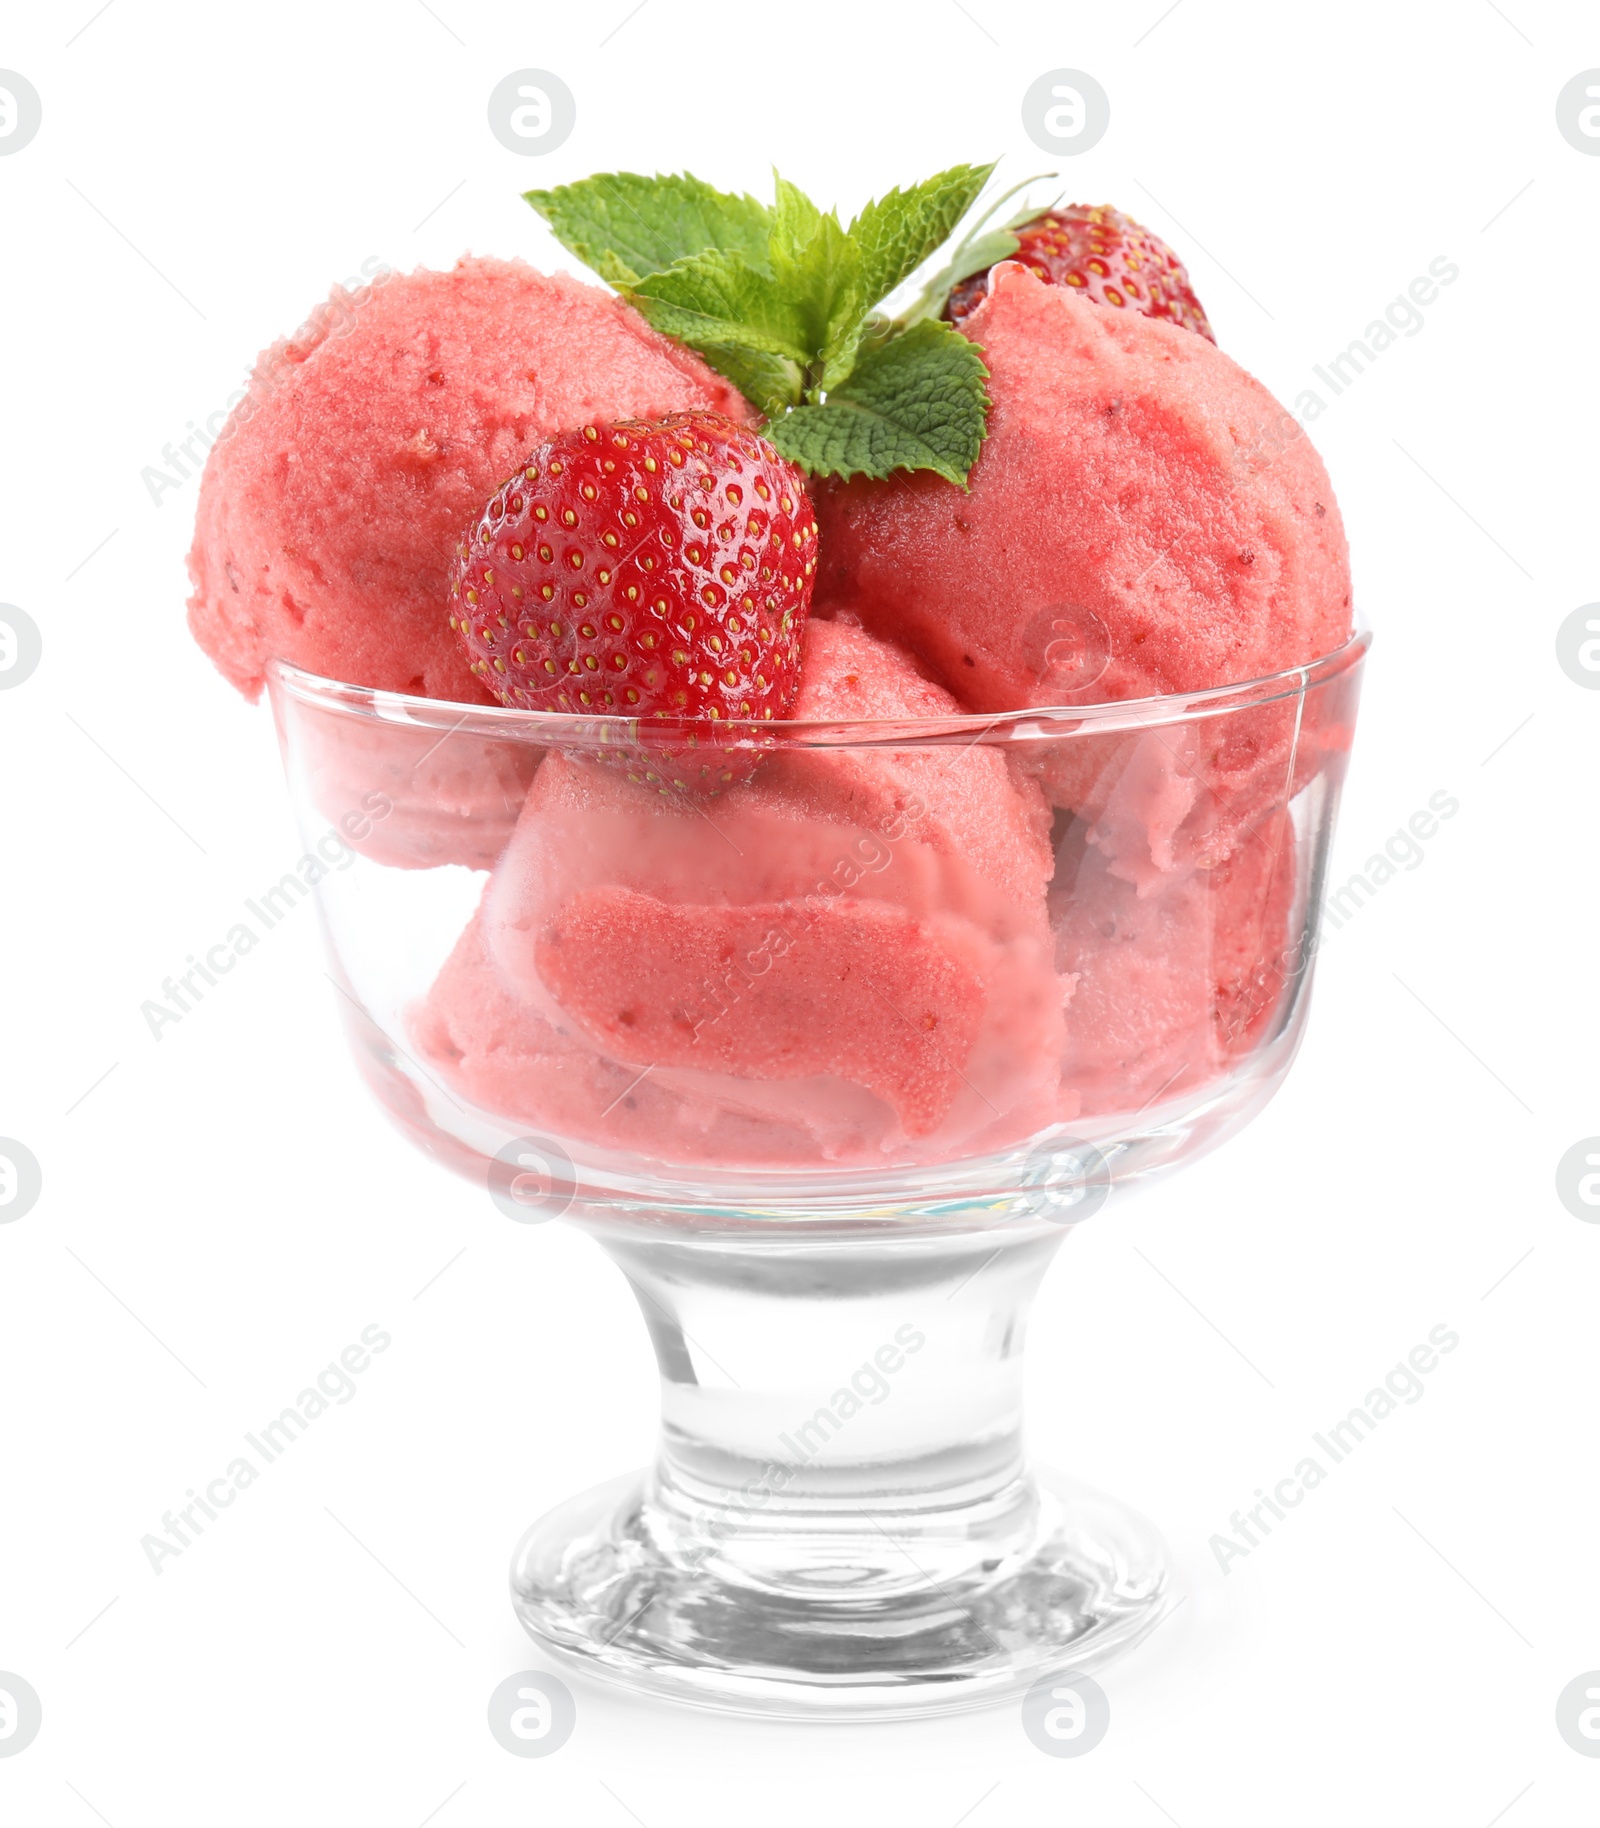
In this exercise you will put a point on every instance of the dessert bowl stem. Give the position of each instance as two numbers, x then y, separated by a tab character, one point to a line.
840	1518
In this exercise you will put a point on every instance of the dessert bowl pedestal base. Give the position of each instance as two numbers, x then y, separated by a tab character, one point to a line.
1072	1580
840	1520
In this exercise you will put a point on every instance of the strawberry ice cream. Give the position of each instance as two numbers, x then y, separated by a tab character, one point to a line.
1144	518
701	947
508	1056
852	948
451	801
823	829
862	957
835	791
1171	985
332	501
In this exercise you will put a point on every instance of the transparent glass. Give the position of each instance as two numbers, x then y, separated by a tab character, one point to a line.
830	1062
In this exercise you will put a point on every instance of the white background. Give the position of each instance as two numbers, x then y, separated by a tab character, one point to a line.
1395	1649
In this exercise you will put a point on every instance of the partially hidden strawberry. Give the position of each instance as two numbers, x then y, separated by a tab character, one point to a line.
644	570
1103	255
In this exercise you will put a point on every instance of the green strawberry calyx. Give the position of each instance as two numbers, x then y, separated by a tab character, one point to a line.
784	301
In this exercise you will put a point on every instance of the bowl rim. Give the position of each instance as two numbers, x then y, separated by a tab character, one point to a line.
566	730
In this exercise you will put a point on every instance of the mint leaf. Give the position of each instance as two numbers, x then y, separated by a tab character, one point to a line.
627	227
718	299
771	382
815	262
796	221
898	232
827	282
914	402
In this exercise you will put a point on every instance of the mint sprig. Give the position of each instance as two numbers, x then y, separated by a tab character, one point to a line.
626	226
915	401
900	231
782	299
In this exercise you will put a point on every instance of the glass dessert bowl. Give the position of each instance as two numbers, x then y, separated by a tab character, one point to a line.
830	1062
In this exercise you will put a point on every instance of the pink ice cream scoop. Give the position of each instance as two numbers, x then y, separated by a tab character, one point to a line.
1172	985
1144	518
335	496
508	1056
447	800
333	499
859	956
849	954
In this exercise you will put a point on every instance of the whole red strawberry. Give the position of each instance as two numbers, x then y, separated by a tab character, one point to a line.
643	570
1104	255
